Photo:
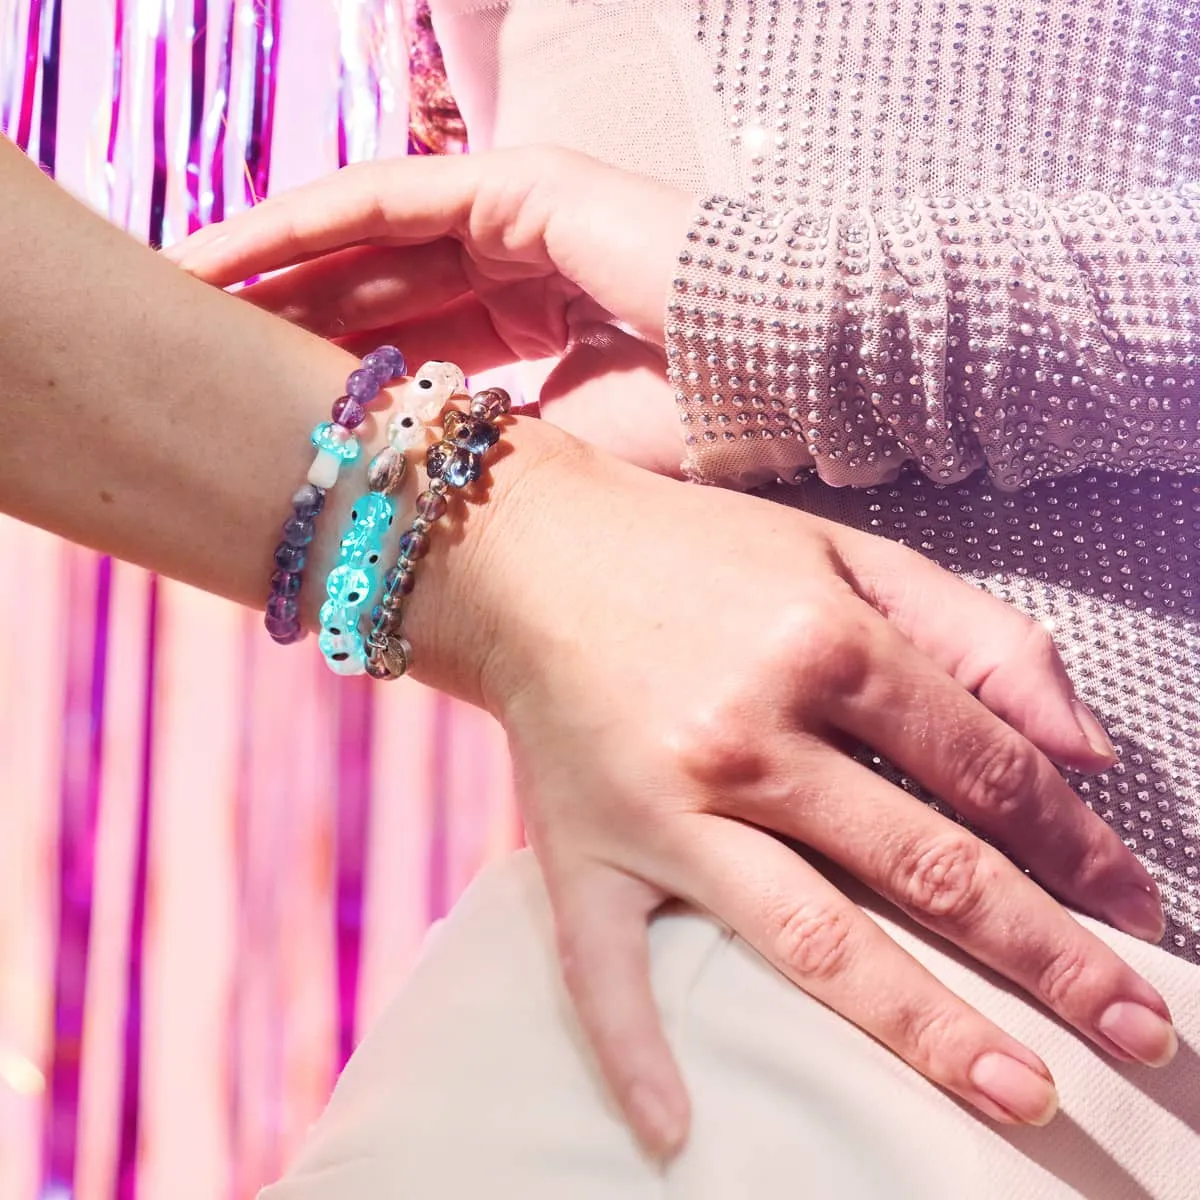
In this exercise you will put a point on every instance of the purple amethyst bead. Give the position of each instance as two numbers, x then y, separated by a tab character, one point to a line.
298	532
431	506
386	620
283	608
413	545
285	583
290	558
284	632
308	502
348	413
400	581
386	364
362	386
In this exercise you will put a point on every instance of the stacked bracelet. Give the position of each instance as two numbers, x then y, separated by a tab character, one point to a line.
354	579
336	445
453	462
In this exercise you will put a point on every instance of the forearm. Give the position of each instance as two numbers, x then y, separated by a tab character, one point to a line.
162	421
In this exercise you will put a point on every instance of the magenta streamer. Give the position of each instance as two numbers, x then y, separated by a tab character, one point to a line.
131	1068
83	730
195	150
219	119
33	37
114	112
262	119
79	809
48	123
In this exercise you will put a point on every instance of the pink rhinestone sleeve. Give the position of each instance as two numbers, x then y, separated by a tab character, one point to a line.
1030	337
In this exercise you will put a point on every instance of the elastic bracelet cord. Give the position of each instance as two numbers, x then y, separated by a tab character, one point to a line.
336	445
354	578
454	462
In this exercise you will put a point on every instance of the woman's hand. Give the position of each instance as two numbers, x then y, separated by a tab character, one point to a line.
681	669
499	257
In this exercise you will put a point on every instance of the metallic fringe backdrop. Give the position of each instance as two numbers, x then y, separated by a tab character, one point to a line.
217	862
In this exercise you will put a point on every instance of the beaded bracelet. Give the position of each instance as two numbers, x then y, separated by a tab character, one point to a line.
336	445
352	581
453	462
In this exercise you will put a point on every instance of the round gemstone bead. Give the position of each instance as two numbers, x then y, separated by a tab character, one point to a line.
348	412
362	386
393	602
431	506
336	440
413	544
285	583
283	608
387	470
386	621
290	558
308	502
284	632
399	581
298	532
386	364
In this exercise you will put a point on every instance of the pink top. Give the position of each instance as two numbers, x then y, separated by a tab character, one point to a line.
930	236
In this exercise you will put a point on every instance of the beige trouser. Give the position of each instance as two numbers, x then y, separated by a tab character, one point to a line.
476	1083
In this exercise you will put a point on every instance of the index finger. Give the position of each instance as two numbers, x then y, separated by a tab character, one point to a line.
401	201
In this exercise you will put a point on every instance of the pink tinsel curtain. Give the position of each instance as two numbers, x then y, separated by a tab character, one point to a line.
216	861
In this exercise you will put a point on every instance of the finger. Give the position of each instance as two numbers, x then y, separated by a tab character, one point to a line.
877	687
801	924
365	288
461	333
1007	659
950	881
399	201
600	917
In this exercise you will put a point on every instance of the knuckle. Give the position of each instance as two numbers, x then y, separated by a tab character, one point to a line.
718	748
1000	778
924	1033
829	643
811	940
943	878
1062	975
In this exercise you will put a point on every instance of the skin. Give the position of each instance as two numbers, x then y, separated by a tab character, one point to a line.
667	699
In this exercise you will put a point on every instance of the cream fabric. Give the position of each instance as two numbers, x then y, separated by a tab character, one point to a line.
477	1084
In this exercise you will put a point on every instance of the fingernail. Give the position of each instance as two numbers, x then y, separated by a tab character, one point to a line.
1140	1032
1023	1093
661	1131
1137	909
1093	731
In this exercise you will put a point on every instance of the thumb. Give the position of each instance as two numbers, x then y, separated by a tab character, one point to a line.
600	918
995	651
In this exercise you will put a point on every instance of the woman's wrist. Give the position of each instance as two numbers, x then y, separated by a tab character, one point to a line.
486	560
